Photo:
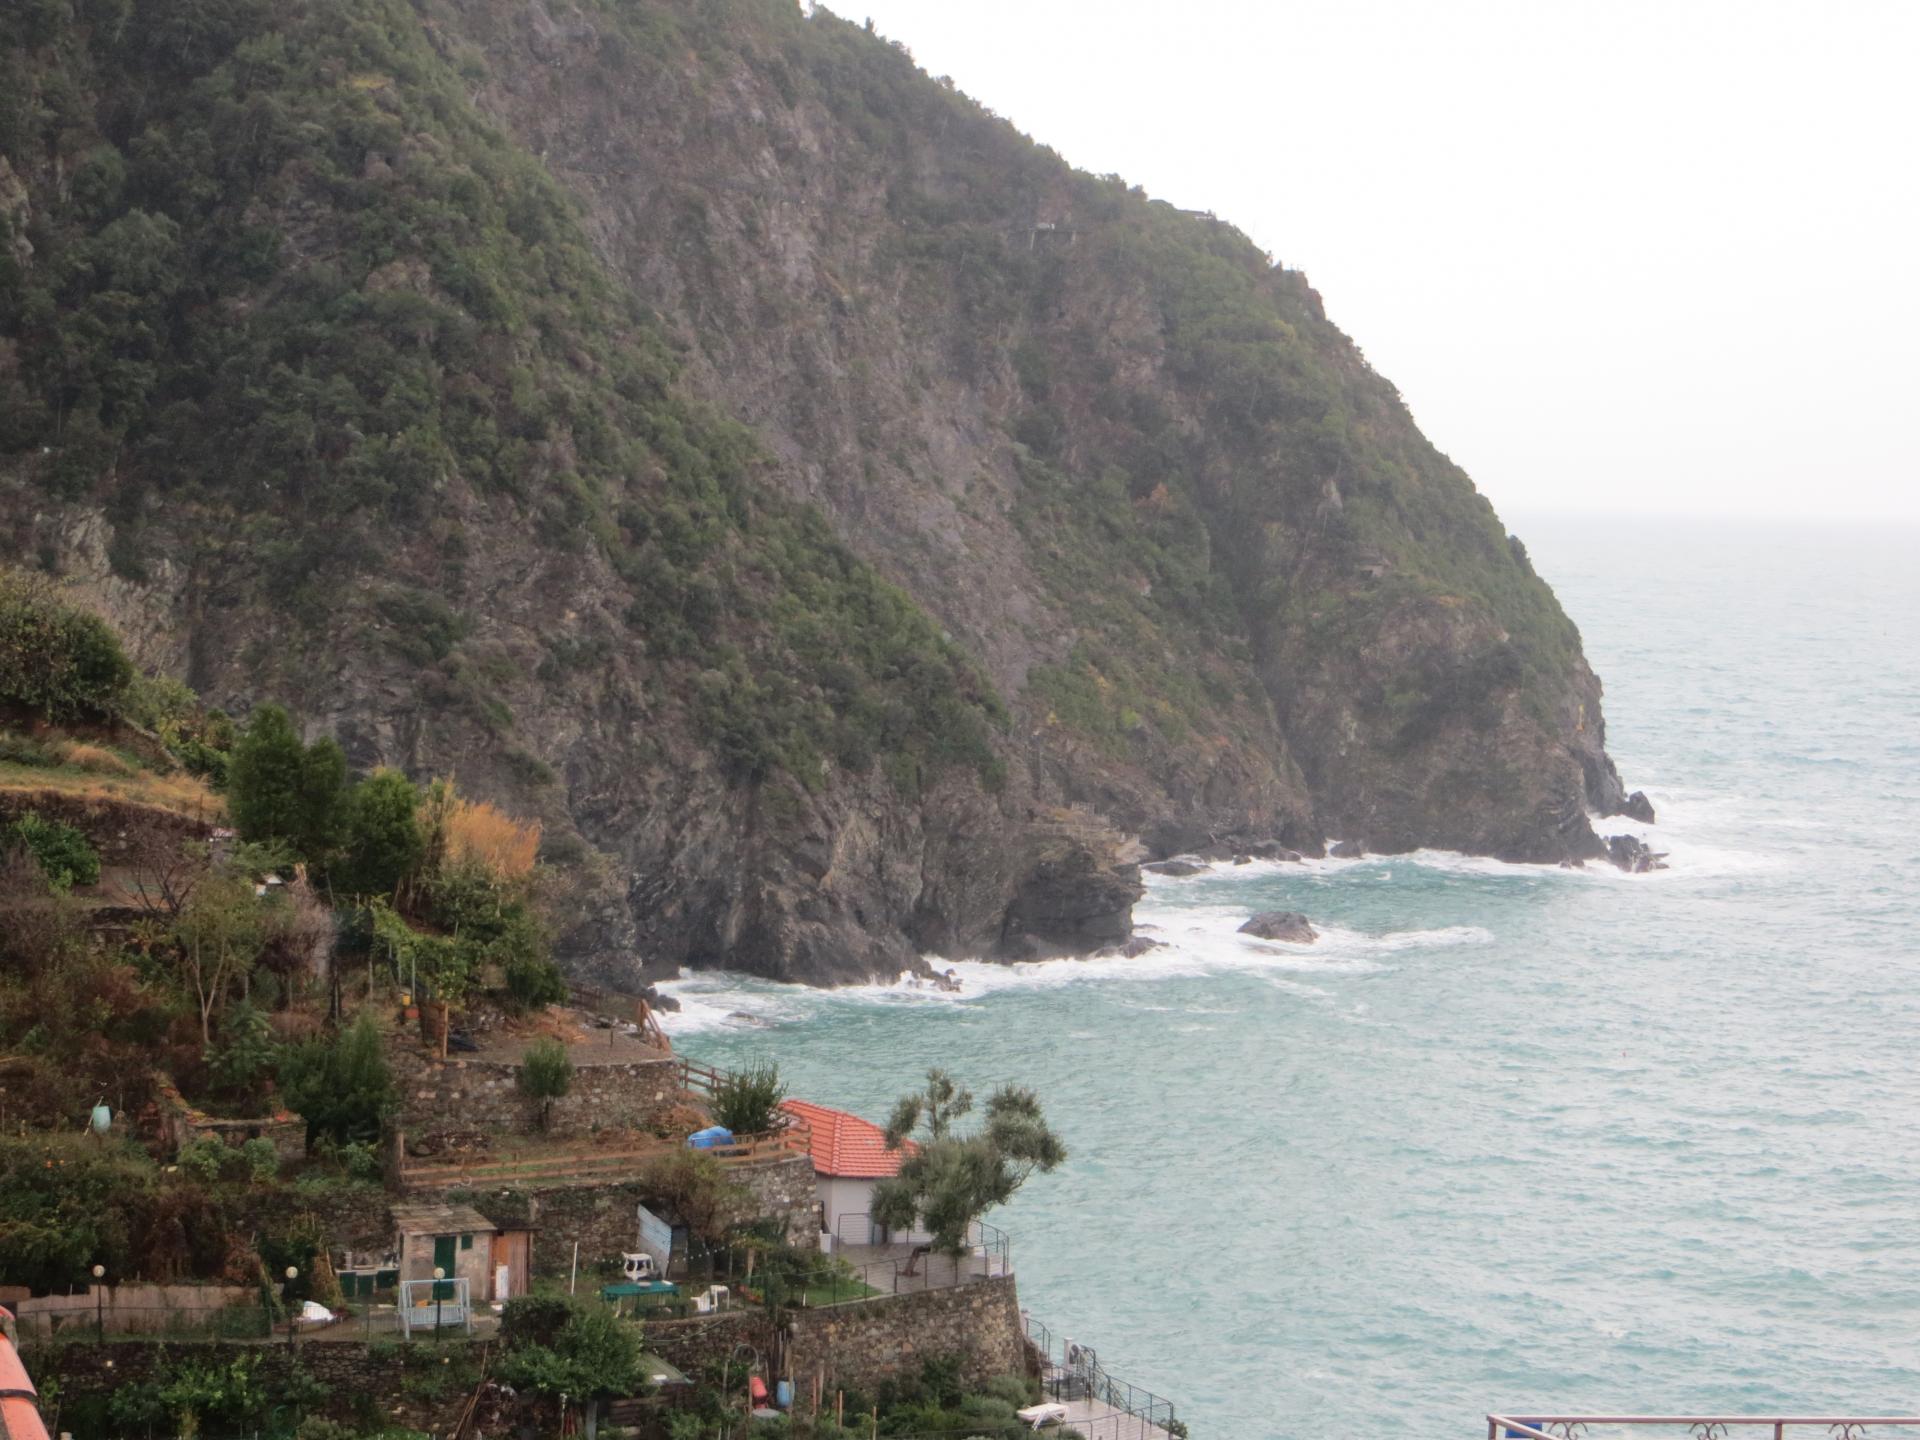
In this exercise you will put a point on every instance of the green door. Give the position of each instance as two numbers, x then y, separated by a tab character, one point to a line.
444	1252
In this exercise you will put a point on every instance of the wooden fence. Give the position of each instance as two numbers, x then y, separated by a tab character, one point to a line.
609	1166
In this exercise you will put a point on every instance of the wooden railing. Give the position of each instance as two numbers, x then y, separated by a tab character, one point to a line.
595	1167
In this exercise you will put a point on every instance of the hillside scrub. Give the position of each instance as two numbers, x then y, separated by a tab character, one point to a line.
461	334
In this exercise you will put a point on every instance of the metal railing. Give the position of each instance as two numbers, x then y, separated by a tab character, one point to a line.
1705	1427
1071	1371
989	1245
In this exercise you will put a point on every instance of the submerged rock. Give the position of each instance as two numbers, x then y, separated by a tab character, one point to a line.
1135	947
1288	925
1635	857
1176	868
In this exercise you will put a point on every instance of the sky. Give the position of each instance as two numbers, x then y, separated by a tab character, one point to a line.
1631	257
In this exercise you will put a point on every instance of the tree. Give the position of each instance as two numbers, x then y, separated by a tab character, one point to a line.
383	843
595	1356
747	1102
546	1074
219	933
951	1179
341	1087
323	795
280	789
264	777
696	1187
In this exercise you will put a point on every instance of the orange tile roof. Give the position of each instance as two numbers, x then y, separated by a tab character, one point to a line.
845	1145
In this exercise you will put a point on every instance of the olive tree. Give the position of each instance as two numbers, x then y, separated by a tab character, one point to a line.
951	1178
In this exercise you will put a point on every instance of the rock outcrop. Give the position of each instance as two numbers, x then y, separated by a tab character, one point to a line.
1287	925
1634	856
1638	807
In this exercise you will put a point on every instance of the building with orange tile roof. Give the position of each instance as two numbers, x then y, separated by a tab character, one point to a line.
849	1155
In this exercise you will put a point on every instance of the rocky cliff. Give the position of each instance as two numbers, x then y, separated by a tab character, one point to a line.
846	524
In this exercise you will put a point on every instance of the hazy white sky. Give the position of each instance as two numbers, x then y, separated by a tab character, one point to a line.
1621	255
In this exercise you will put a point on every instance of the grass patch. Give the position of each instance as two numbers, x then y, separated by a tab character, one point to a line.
182	794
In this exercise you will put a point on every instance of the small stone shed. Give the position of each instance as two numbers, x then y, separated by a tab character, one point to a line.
463	1243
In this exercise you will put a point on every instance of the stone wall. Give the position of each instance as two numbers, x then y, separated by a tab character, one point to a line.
784	1190
601	1217
352	1217
130	1309
355	1377
857	1346
451	1100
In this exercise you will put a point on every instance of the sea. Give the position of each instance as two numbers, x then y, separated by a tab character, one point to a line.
1506	1138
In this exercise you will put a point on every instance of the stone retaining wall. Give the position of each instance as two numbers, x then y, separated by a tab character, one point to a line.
602	1219
857	1346
355	1377
441	1099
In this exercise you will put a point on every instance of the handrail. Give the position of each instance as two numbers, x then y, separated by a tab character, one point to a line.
1711	1427
1086	1373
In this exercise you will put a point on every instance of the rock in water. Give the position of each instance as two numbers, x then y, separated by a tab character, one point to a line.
1288	925
1176	868
1637	807
1135	947
1349	850
1634	856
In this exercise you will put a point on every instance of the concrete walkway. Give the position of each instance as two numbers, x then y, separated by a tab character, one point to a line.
1099	1421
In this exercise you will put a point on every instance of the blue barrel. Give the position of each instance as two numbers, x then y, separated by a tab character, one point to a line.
783	1394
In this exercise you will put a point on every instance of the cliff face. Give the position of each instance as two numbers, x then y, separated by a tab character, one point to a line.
845	523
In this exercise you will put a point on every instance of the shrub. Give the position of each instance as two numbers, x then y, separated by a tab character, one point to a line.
240	1060
592	1353
478	834
341	1087
55	658
24	750
747	1102
98	759
533	981
206	1160
546	1074
262	1160
63	854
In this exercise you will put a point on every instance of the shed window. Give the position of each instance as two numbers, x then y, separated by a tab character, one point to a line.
466	1242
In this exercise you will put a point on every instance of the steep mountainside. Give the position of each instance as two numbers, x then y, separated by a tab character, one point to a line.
845	523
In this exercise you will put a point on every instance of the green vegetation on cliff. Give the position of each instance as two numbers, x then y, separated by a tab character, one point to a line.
297	287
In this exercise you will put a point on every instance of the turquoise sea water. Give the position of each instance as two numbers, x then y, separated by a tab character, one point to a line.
1506	1136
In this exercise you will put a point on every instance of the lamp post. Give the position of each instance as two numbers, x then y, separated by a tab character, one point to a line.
99	1302
293	1274
439	1274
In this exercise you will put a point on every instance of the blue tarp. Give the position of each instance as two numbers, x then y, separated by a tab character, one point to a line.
711	1136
